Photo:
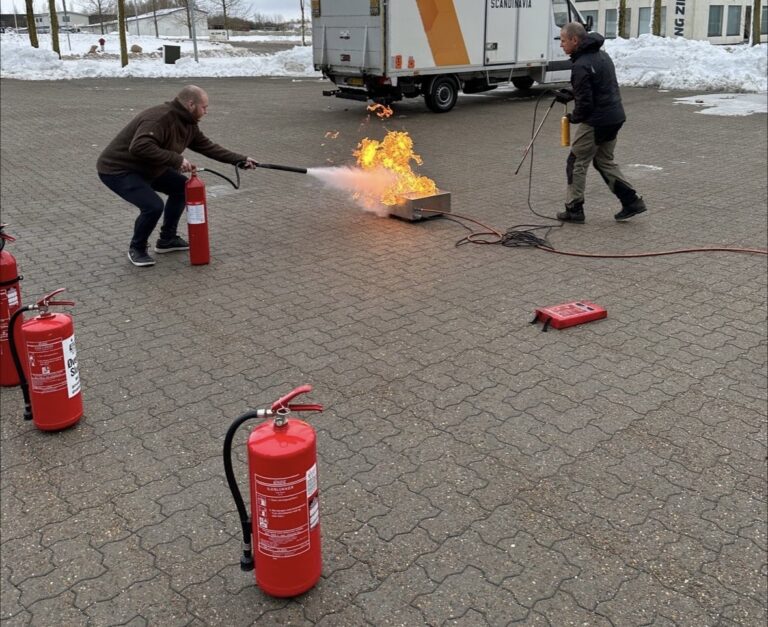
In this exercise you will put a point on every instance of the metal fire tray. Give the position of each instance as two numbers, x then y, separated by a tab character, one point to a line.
416	207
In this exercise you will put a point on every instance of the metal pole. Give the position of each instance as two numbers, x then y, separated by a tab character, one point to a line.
192	26
535	135
136	13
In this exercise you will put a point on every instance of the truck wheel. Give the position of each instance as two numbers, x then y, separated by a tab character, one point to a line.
522	82
441	94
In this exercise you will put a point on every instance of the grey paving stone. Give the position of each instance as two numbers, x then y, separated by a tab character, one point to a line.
473	470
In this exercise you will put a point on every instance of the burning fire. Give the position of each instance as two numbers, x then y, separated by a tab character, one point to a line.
394	154
380	110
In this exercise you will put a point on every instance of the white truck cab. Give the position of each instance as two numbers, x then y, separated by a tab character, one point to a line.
386	50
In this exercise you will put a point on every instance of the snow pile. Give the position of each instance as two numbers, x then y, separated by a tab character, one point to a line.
647	61
650	61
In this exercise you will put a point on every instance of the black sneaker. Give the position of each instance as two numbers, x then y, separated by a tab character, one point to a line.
139	257
574	212
169	245
632	209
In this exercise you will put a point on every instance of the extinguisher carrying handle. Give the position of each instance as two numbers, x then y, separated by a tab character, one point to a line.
47	300
282	402
309	407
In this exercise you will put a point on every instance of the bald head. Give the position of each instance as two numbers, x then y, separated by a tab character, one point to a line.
195	100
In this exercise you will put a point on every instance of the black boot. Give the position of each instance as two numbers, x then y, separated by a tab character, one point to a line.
574	212
632	209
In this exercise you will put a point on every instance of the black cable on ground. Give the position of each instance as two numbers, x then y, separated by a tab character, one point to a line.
524	235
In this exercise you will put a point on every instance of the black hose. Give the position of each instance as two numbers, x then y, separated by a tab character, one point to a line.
246	561
226	178
286	168
17	361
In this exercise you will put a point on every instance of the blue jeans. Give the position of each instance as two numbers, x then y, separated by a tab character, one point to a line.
141	192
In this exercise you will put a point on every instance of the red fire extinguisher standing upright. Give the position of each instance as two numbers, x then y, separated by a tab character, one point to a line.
10	302
51	380
197	221
285	519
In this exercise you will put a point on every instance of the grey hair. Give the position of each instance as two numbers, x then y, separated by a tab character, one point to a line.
191	92
575	29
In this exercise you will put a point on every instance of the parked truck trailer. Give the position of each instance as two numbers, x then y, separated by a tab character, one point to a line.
387	50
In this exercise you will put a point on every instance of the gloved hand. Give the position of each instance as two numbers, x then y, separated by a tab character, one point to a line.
564	95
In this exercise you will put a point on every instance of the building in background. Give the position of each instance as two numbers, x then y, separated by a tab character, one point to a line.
163	23
716	21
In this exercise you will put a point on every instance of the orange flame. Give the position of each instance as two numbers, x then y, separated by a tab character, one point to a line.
381	110
394	154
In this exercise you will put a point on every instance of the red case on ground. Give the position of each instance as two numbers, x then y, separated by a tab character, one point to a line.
569	314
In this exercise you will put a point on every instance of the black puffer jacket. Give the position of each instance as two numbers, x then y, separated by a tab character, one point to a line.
595	89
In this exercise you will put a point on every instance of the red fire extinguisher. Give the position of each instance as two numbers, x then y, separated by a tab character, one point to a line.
197	221
50	381
285	520
10	302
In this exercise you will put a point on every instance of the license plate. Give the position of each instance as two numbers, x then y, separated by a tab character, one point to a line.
355	81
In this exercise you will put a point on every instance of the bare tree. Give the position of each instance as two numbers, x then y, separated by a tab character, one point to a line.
121	28
623	19
756	15
656	28
54	27
101	8
301	6
31	25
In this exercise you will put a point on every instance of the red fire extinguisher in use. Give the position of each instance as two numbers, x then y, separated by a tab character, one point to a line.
50	378
197	221
285	521
10	302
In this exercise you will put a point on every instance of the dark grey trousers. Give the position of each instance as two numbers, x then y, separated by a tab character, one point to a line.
583	151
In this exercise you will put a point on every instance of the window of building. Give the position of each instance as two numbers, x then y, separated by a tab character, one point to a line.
663	29
764	22
593	15
733	26
644	21
715	24
610	23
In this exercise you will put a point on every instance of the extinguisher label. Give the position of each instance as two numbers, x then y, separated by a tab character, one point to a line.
196	214
72	369
9	302
312	480
283	515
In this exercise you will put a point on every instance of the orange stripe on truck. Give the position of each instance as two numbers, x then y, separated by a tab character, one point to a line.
441	24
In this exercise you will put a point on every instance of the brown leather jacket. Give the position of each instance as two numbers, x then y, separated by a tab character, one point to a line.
154	140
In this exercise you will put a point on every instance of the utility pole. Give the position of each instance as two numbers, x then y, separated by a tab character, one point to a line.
136	15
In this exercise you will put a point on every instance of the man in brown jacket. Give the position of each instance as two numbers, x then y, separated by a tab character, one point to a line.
146	158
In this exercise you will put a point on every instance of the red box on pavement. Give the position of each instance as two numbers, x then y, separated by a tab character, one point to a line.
569	314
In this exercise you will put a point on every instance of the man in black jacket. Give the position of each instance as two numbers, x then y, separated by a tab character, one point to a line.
600	115
146	158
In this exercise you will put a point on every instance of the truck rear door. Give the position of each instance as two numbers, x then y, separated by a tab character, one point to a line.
517	31
347	36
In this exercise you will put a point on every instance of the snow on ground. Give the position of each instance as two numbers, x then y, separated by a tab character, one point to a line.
647	61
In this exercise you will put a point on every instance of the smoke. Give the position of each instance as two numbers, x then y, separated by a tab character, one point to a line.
366	187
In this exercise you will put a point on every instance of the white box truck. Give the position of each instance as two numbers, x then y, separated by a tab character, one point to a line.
386	50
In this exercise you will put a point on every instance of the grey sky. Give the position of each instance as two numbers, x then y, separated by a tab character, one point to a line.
289	9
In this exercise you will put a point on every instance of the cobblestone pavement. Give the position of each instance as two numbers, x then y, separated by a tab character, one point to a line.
473	470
